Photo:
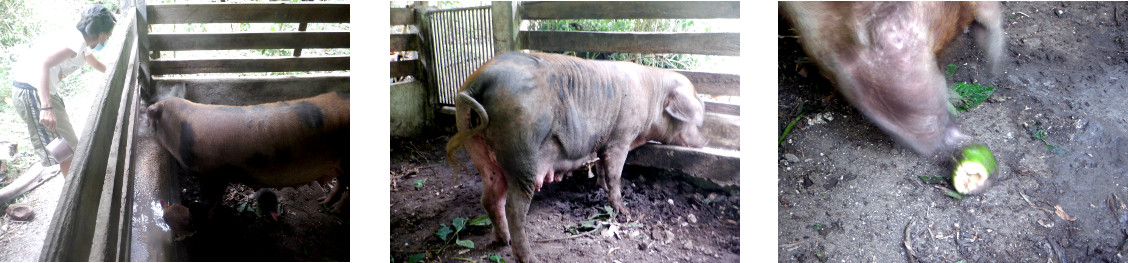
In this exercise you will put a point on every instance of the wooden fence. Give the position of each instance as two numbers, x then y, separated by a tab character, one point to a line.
93	221
302	13
405	42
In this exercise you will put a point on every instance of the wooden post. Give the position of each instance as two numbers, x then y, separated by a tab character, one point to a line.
301	28
506	24
426	70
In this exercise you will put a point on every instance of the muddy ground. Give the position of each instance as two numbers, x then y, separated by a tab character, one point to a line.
674	221
304	231
847	193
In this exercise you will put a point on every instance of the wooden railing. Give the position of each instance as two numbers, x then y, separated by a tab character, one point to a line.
719	163
403	43
302	13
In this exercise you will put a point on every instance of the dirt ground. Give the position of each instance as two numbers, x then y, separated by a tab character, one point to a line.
674	221
847	193
303	232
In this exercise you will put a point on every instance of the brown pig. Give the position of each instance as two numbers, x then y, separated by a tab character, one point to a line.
527	119
281	144
882	58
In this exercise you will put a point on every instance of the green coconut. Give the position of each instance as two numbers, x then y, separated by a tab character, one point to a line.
975	170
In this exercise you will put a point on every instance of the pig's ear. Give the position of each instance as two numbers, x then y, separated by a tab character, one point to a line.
154	114
684	106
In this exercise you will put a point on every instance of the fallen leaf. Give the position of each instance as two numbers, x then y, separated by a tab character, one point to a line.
1061	213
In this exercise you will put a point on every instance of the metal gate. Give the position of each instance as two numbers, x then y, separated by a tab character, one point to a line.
462	41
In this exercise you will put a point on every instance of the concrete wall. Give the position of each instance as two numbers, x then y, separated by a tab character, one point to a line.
408	109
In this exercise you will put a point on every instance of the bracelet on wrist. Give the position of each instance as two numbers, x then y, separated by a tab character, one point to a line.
46	108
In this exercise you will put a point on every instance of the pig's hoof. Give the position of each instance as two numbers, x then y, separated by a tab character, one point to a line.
527	259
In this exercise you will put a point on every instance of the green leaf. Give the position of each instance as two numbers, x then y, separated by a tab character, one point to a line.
444	232
954	194
459	224
818	227
465	243
1040	135
496	258
933	179
481	221
951	70
419	183
972	95
417	258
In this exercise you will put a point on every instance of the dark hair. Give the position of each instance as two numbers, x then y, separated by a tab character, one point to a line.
96	20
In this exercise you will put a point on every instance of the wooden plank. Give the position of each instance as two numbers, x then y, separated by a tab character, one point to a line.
248	13
402	16
713	83
722	131
630	10
722	108
404	42
259	40
239	91
719	167
405	68
724	44
286	64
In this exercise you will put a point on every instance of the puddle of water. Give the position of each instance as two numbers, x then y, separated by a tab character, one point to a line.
151	238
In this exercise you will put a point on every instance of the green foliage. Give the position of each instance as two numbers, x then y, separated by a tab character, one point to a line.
445	233
496	258
789	126
18	24
951	70
933	179
481	221
601	217
1041	135
971	95
419	183
417	258
668	61
954	194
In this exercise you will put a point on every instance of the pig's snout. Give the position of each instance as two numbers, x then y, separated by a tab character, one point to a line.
882	58
693	138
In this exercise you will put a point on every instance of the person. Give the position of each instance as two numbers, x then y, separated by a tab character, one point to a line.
40	71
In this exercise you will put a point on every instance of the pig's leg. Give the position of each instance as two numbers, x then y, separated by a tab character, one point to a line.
515	209
611	171
211	194
521	175
334	195
342	198
989	35
494	188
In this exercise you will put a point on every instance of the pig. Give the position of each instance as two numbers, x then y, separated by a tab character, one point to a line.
531	118
882	57
281	144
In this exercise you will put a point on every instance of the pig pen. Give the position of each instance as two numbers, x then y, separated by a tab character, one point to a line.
304	231
683	200
110	207
847	193
674	220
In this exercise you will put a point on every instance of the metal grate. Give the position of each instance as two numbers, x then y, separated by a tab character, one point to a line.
462	41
